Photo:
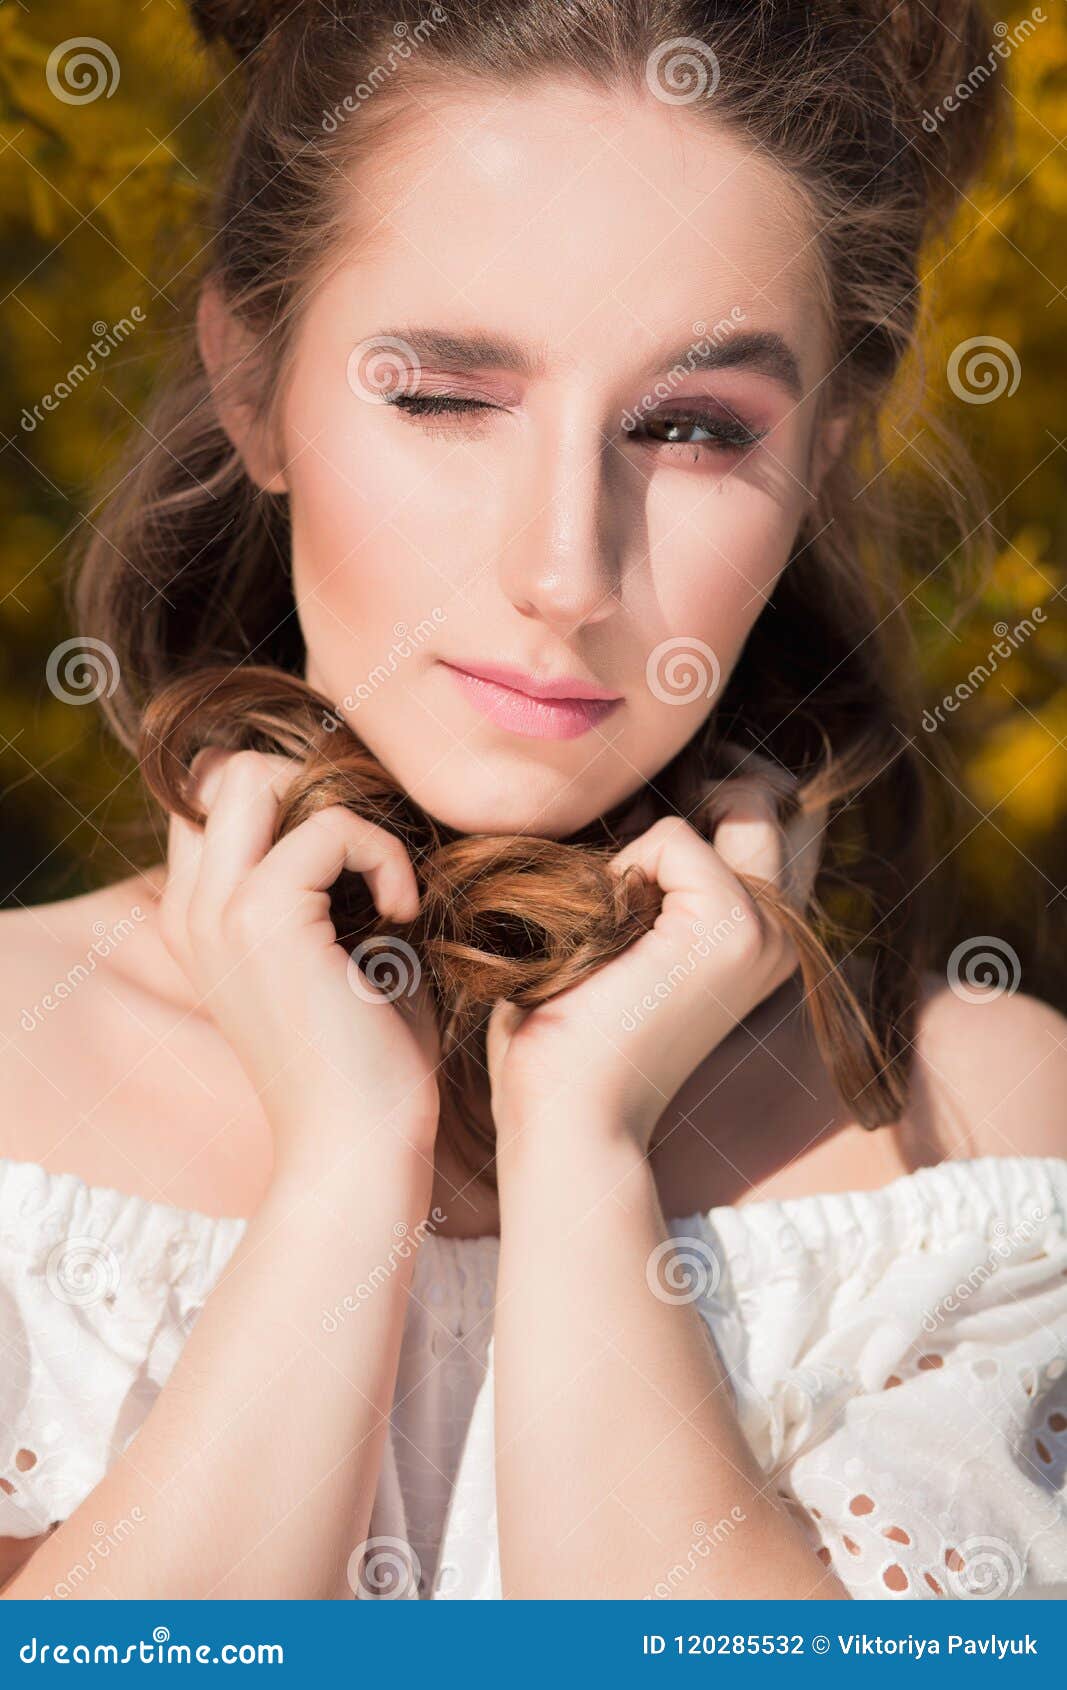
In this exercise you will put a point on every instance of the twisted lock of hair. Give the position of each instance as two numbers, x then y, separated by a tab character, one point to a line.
501	916
185	576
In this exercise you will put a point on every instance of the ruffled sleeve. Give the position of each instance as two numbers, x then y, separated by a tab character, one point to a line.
98	1290
898	1361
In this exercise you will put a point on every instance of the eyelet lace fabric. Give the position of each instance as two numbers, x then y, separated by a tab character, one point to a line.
897	1360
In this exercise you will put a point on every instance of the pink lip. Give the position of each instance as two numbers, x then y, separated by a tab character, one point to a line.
547	714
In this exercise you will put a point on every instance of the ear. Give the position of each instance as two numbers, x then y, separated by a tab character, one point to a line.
828	442
227	350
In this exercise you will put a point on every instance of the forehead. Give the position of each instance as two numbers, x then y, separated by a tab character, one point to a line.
575	214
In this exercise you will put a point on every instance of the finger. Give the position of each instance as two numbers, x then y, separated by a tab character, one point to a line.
678	860
749	837
312	856
241	792
794	860
185	843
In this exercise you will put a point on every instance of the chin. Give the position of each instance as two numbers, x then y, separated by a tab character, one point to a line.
530	807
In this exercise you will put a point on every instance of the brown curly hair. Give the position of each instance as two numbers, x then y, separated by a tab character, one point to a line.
186	577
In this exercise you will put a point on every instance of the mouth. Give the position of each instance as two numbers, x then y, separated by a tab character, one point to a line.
544	713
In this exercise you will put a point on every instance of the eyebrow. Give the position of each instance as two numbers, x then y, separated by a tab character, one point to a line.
761	350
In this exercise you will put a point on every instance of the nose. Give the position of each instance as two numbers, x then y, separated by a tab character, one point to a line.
561	564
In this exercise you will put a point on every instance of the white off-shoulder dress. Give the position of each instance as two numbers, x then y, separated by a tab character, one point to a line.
898	1361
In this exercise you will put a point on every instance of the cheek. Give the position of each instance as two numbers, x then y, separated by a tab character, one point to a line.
714	565
371	522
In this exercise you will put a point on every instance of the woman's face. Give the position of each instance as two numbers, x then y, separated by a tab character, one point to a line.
555	414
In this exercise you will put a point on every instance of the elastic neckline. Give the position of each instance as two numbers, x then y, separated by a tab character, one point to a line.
995	1173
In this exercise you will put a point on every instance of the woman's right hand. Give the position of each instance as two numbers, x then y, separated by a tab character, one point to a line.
249	923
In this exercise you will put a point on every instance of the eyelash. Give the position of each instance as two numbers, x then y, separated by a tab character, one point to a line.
727	433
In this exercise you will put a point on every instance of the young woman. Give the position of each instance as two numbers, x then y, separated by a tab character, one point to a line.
506	591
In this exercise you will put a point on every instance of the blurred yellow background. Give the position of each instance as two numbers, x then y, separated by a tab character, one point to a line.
102	209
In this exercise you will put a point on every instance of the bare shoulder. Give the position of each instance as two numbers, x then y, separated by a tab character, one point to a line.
104	1073
762	1117
63	1014
990	1076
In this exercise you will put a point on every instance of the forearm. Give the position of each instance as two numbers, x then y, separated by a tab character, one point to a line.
255	1470
618	1448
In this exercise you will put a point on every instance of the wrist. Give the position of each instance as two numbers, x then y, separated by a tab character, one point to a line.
587	1155
576	1127
326	1149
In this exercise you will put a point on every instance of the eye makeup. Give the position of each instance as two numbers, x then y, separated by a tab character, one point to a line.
710	429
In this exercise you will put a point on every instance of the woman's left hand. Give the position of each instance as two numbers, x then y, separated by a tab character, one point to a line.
618	1046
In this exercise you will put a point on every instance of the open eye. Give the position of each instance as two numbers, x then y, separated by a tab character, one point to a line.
717	430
